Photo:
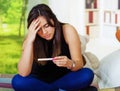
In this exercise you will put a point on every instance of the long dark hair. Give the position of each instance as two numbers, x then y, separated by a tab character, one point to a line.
40	45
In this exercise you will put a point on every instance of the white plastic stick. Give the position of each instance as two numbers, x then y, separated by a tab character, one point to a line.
45	59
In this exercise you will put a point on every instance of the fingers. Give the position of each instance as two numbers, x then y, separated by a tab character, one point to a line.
60	61
60	64
35	25
37	29
32	30
59	58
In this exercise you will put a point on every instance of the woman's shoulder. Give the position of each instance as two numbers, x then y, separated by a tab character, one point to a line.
69	32
67	26
69	29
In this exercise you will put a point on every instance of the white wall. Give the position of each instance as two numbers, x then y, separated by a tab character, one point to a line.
110	4
70	11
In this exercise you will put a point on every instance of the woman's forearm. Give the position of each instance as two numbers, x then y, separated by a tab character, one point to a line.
26	60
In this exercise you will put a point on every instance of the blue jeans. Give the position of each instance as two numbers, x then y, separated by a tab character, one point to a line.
72	81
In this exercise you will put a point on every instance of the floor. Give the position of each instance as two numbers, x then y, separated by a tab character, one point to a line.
6	89
112	89
5	78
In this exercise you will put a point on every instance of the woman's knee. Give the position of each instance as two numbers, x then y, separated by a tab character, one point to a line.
18	82
88	74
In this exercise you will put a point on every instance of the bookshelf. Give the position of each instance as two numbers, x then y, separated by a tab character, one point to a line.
91	16
112	17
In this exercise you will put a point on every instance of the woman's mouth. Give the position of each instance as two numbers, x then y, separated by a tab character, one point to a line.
47	36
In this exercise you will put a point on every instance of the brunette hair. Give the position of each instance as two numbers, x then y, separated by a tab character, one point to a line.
40	46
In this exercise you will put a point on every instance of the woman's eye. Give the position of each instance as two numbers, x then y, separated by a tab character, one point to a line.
47	25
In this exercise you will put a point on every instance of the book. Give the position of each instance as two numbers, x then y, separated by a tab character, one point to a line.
118	4
89	4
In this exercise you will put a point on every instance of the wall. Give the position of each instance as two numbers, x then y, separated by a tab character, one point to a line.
110	4
70	11
32	3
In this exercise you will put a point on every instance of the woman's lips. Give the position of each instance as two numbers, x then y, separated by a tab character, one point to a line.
47	36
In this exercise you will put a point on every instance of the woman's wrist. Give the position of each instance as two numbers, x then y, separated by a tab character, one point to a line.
72	65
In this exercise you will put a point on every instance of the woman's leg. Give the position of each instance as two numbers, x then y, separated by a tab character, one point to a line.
29	83
75	80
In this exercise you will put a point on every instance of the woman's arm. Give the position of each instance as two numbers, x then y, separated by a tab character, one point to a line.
73	41
26	60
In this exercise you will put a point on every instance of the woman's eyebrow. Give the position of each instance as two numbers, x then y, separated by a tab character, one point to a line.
45	24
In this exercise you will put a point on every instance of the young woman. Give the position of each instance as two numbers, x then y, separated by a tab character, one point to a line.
49	38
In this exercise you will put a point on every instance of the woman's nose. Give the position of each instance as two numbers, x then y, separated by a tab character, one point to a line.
44	31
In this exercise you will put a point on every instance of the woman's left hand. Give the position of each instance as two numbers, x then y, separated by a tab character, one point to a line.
62	61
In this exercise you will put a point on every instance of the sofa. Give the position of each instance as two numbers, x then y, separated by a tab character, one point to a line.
106	69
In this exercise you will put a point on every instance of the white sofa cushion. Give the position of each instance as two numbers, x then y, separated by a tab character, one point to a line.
109	70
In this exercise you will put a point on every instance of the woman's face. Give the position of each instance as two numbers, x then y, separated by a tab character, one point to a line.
45	31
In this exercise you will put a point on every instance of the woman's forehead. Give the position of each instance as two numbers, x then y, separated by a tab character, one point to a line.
42	20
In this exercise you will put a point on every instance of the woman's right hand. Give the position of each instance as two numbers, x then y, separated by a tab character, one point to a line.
33	29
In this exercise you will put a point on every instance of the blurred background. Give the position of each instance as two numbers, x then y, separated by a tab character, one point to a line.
12	31
11	34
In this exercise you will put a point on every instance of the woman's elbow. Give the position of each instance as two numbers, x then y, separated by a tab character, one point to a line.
23	74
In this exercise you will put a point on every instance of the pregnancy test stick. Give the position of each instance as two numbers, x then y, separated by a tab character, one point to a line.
45	59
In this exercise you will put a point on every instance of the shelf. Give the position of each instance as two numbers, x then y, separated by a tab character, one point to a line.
111	17
116	25
91	24
95	10
91	16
